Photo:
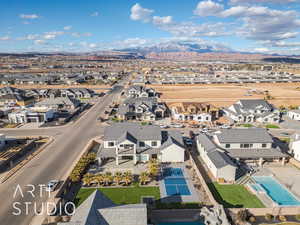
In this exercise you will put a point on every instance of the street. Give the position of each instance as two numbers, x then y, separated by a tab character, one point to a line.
52	163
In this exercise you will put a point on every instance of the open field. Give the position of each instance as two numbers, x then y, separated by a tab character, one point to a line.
225	94
234	196
124	195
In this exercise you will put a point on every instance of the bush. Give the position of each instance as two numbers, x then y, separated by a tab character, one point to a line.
268	217
242	215
252	219
282	218
297	217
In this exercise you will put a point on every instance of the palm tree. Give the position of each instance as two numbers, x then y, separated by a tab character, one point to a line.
127	178
118	178
144	178
87	179
99	179
75	178
107	178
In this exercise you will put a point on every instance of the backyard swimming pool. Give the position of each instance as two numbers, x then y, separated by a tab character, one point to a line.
276	191
175	182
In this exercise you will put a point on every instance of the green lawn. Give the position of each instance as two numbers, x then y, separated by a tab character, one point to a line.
234	196
123	195
246	125
272	126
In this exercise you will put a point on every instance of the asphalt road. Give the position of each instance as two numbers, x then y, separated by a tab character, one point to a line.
52	163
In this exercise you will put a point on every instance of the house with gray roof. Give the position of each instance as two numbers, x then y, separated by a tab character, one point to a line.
217	161
142	108
135	91
253	110
58	103
229	148
140	143
97	209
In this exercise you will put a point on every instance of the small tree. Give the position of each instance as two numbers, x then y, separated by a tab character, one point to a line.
127	178
118	178
242	215
144	178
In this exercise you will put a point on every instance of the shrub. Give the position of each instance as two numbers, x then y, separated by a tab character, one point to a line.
242	215
252	219
297	217
268	217
282	218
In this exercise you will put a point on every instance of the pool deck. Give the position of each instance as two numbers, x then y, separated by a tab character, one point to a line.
178	198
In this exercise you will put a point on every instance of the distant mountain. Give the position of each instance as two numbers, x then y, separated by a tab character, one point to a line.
180	46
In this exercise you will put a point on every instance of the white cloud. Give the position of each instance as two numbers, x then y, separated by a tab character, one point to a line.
95	14
52	34
77	34
140	13
29	37
261	1
29	16
262	50
92	45
4	38
67	27
189	29
208	8
164	20
39	42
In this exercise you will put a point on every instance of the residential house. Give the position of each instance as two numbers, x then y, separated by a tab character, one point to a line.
136	91
192	111
142	108
253	110
59	103
295	146
97	209
16	99
232	147
217	161
11	91
294	114
31	115
140	143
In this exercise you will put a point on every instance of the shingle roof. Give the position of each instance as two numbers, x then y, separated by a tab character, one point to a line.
99	210
254	103
244	135
140	132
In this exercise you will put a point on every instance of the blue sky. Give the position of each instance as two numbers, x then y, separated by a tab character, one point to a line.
268	26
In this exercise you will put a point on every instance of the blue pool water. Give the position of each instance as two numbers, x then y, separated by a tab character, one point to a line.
257	187
175	182
276	191
182	223
173	172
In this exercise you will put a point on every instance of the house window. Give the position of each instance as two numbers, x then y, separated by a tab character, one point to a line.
246	145
227	146
153	143
264	145
142	144
111	144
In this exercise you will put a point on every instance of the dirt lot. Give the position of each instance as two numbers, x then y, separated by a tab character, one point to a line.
225	94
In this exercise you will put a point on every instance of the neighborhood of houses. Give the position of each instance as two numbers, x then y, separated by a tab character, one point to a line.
182	153
39	106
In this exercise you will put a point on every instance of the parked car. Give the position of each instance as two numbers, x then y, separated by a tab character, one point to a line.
52	185
163	126
177	125
225	126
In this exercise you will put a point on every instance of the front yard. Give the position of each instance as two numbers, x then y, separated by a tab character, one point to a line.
234	196
123	195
